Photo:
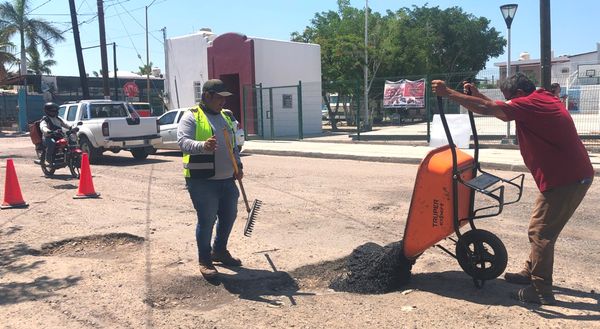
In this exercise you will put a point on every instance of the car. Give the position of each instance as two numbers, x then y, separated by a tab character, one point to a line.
240	136
324	113
168	129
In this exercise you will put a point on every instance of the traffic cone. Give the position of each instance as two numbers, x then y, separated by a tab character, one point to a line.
86	186
12	190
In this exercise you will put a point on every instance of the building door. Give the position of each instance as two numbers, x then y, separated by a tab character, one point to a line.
232	84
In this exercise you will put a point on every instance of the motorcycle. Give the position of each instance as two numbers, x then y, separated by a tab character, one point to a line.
66	153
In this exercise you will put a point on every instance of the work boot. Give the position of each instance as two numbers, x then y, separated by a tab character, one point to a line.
225	258
522	277
208	270
534	296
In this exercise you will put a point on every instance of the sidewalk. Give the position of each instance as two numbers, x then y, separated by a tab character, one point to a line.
336	147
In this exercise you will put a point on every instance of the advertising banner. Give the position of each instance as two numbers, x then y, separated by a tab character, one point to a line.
404	94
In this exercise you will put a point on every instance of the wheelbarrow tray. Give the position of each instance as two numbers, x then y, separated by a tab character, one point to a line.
430	216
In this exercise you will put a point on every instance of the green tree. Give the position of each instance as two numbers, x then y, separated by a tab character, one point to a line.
405	42
38	66
31	32
341	37
449	40
6	55
146	69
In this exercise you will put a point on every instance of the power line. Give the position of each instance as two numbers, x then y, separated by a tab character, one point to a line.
34	9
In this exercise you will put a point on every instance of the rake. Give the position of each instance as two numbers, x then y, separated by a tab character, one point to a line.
252	212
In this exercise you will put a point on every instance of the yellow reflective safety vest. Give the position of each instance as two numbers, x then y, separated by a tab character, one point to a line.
203	165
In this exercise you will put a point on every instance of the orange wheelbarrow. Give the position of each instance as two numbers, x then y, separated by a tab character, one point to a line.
443	203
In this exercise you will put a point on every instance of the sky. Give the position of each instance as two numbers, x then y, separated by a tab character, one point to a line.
574	25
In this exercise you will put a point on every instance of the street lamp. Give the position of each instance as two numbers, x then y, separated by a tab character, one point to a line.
508	12
148	55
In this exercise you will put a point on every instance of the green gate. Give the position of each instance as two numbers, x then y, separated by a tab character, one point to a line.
272	112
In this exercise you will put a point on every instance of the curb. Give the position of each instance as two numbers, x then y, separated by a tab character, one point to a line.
404	160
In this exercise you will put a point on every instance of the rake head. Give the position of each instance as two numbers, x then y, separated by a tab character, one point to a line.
252	214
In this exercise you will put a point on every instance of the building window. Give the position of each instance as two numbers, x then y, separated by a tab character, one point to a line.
564	70
287	101
197	91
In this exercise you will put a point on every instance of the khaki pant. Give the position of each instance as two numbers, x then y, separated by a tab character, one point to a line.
552	211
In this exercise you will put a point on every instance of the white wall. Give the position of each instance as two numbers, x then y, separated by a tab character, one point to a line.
284	63
187	62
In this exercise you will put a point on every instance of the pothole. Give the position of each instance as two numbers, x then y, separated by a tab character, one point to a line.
65	187
194	292
369	269
380	207
92	245
186	292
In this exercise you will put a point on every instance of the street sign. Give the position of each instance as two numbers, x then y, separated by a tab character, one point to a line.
130	89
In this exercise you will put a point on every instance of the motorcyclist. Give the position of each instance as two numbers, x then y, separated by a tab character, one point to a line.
51	126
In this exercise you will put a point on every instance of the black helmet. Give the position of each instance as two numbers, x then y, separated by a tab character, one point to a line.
51	109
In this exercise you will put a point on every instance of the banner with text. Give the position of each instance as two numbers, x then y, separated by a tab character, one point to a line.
404	94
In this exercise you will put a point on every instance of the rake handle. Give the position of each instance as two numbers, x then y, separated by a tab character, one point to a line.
235	167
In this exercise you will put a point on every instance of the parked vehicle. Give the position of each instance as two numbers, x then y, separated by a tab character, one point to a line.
168	129
240	136
66	154
111	126
167	124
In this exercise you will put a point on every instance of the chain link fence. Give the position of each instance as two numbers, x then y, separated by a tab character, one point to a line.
581	96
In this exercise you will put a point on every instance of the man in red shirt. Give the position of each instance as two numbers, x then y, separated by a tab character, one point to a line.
555	156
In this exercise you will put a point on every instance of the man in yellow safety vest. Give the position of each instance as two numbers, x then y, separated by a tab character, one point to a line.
209	175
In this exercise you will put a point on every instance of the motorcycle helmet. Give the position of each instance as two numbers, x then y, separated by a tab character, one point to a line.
51	109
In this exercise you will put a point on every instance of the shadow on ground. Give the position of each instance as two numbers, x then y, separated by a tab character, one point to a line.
15	263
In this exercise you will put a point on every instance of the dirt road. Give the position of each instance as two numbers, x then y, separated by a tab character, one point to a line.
128	259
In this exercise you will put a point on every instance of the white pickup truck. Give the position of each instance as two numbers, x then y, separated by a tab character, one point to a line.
106	125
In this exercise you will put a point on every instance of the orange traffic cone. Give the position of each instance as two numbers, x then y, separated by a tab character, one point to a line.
86	186
12	190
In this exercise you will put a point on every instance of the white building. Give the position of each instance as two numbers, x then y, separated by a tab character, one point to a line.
264	75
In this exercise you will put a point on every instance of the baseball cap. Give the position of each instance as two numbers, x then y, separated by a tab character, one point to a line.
215	86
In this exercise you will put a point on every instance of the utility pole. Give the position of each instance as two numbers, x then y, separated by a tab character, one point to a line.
103	54
82	76
115	69
545	44
148	68
366	69
114	44
164	30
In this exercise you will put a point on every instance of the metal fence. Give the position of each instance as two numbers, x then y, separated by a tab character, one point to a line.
63	89
582	101
282	112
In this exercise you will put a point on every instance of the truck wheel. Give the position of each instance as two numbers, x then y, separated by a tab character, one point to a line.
139	153
87	147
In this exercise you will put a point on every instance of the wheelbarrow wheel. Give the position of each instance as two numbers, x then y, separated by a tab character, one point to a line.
481	254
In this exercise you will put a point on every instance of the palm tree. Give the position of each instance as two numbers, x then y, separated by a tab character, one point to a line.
38	66
31	32
6	55
146	69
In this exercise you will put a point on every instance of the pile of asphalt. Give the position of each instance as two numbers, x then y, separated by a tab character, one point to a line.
374	269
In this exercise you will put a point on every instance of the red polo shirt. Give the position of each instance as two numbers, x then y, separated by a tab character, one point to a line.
548	139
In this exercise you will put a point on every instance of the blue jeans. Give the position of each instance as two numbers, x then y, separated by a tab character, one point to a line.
50	144
213	199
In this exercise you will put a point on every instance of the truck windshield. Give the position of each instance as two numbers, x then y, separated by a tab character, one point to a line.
108	111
